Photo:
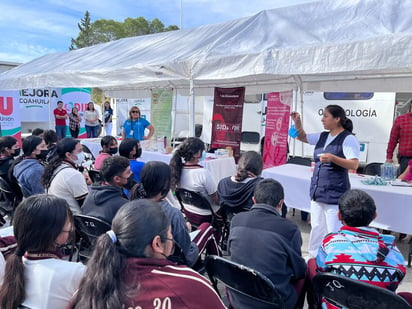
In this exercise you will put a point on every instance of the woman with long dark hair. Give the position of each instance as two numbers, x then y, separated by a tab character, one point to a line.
189	175
235	192
35	275
91	118
28	168
336	152
9	148
74	122
155	185
129	266
61	176
108	114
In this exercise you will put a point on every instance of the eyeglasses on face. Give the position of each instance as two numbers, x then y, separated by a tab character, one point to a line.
135	112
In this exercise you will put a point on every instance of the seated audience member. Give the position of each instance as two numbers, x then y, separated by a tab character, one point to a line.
28	169
189	175
154	186
263	240
9	148
103	201
235	192
38	132
50	137
35	275
130	149
109	148
61	178
129	266
358	251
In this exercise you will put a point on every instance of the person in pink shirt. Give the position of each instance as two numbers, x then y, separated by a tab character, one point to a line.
60	116
109	148
407	174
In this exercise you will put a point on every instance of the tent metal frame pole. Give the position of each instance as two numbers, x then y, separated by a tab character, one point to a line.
192	109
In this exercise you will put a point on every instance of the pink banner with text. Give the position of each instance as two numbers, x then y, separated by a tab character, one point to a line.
277	125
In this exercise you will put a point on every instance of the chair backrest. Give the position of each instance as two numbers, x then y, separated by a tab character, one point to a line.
249	137
243	280
187	197
373	169
95	176
88	151
89	229
10	197
92	227
355	294
300	161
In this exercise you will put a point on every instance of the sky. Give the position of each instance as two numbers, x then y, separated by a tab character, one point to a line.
32	28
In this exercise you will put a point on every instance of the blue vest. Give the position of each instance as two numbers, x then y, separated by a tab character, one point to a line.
329	181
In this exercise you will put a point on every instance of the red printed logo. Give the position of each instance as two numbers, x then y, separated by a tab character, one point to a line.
6	108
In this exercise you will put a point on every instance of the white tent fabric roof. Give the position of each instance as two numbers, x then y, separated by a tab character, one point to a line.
335	45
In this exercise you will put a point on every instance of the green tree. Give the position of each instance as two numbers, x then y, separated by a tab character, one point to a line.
105	30
85	37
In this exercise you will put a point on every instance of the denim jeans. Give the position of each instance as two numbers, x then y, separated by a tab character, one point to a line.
61	132
92	131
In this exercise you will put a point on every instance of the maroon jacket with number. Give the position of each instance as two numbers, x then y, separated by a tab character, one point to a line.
158	283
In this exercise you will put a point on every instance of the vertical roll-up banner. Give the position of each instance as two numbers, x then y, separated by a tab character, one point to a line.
161	113
277	126
10	114
227	119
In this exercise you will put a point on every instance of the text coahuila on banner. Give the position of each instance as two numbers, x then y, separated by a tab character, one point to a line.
227	119
277	125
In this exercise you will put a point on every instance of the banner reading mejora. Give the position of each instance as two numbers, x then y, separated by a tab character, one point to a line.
227	118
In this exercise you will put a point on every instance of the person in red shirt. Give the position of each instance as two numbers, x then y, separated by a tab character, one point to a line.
60	116
129	266
401	133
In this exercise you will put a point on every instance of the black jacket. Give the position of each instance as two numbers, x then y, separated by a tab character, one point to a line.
263	240
103	202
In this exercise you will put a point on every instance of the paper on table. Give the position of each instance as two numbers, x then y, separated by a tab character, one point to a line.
401	183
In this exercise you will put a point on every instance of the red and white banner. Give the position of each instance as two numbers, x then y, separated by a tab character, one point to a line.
227	119
277	126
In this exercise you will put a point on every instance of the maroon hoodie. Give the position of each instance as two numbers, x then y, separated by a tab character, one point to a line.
159	283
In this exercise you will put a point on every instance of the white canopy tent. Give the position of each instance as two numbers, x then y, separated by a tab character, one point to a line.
336	45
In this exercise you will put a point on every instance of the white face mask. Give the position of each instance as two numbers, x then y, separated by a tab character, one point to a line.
80	158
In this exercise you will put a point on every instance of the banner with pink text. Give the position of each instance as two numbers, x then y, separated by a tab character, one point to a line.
227	119
277	125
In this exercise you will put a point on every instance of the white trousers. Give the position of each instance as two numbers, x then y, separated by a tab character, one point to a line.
324	220
108	128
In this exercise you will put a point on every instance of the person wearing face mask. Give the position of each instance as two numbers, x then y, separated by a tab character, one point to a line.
9	148
103	201
61	177
129	266
130	148
109	148
155	185
27	169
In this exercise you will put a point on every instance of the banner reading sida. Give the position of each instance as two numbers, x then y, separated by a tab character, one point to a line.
227	119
